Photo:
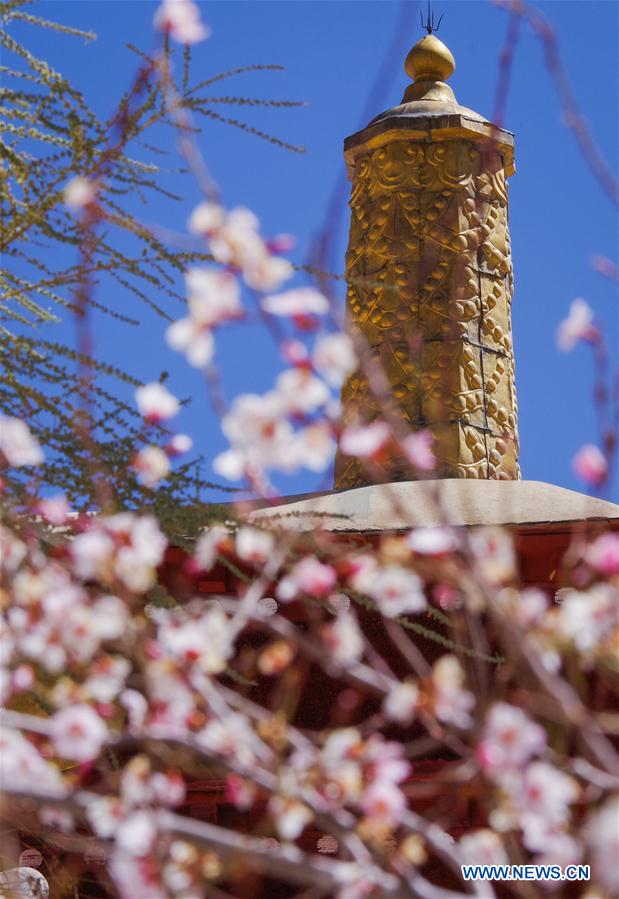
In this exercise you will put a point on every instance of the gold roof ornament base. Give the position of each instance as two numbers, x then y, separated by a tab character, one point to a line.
430	276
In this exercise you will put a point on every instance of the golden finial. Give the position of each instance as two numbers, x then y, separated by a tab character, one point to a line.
430	63
430	60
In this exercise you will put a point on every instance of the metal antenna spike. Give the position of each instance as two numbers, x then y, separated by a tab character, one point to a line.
430	24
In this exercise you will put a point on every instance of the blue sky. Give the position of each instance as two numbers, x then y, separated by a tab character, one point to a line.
331	51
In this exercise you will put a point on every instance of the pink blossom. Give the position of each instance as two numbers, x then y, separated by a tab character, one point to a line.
450	701
396	591
201	640
362	571
314	446
365	441
56	510
294	352
253	545
214	296
136	706
156	403
136	877
209	545
300	391
493	552
577	326
124	546
344	639
22	765
400	703
527	606
79	193
23	678
105	814
240	791
92	553
193	339
308	576
107	678
171	701
235	242
179	444
603	554
232	736
482	847
290	816
334	357
418	450
432	541
509	739
231	464
267	272
152	465
135	782
383	801
17	444
168	788
542	798
206	218
602	835
14	550
181	19
586	618
550	840
386	760
78	733
299	302
590	465
137	833
256	426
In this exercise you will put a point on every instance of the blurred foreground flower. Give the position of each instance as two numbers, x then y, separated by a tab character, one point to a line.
17	444
156	403
181	20
577	326
590	465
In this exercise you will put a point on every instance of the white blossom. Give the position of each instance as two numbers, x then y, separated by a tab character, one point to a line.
309	576
156	403
181	18
587	617
344	639
602	835
300	391
450	701
253	545
291	816
17	444
577	326
152	465
78	733
365	441
396	591
334	357
400	703
314	446
79	192
509	738
301	301
206	218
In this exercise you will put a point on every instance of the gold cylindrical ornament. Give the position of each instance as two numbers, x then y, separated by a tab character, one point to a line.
429	289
